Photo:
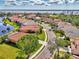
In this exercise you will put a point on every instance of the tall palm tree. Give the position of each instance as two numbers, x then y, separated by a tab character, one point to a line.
3	31
8	28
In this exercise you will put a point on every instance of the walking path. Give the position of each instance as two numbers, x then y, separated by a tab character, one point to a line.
45	53
43	45
43	42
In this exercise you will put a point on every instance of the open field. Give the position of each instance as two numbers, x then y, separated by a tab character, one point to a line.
7	52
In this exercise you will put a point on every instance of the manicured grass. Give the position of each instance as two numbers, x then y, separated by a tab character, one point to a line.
7	52
41	36
59	33
63	43
16	26
62	55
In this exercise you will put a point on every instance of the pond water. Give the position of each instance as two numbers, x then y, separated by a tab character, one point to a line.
5	28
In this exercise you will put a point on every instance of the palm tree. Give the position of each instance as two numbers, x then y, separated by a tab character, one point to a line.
57	48
21	55
5	24
3	31
8	28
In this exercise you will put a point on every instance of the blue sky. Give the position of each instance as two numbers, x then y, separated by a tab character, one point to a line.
74	6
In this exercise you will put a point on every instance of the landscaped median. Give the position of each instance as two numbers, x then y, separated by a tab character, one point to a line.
62	55
41	48
62	42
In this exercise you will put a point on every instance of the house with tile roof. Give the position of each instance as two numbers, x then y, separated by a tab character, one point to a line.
75	48
16	36
16	18
29	28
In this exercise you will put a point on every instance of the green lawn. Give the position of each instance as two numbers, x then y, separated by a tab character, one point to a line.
63	43
16	26
65	55
7	52
59	33
54	16
62	55
41	36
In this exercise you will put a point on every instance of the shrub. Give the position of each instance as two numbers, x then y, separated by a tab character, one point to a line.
28	43
63	43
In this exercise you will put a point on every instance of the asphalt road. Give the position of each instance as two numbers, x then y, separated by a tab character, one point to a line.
45	53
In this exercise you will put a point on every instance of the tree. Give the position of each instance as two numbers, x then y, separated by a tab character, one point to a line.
2	38
28	43
59	32
62	55
9	14
63	43
8	28
3	31
52	48
2	14
5	24
21	55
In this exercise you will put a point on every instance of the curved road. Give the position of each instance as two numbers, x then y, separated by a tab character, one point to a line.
45	53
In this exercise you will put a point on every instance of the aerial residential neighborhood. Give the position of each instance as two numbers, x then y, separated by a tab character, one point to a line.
39	29
39	36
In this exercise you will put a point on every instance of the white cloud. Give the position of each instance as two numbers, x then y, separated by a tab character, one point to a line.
71	1
52	0
39	2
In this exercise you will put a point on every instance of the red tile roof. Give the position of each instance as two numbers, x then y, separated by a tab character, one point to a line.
15	18
29	27
16	36
31	15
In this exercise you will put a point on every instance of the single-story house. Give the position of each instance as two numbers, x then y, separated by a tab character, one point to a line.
46	19
29	28
16	18
57	20
69	29
16	36
31	16
75	47
29	22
